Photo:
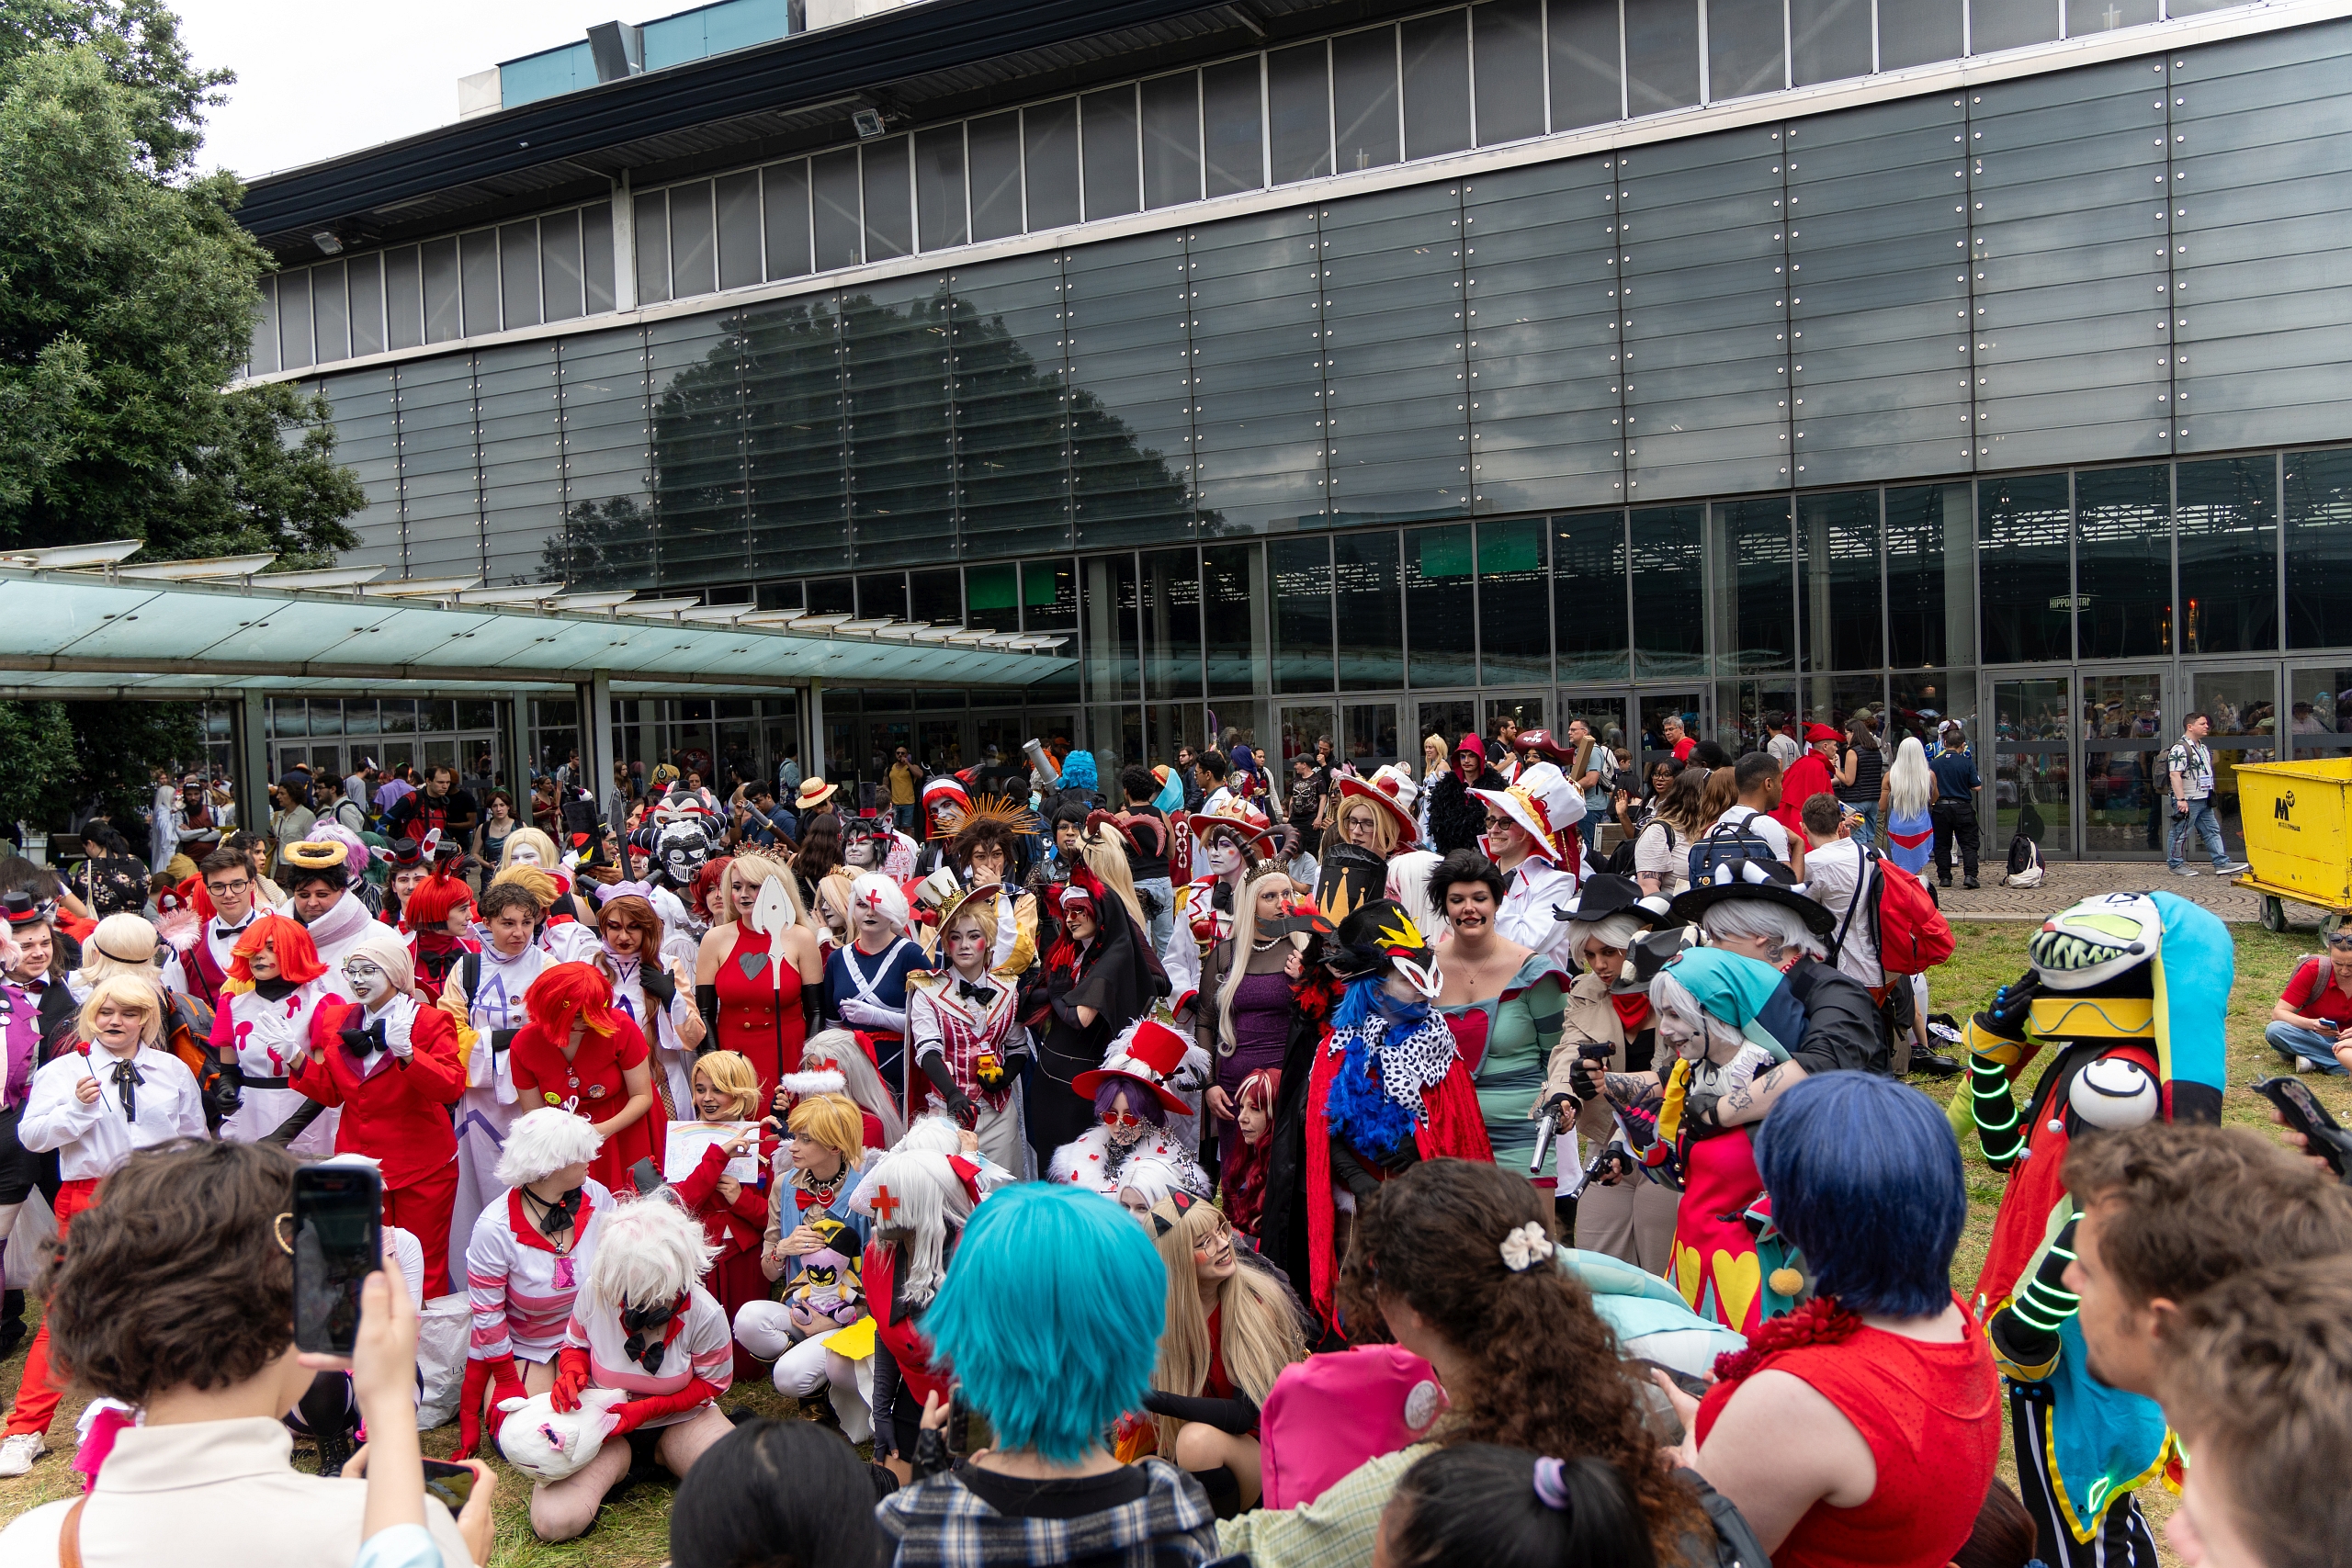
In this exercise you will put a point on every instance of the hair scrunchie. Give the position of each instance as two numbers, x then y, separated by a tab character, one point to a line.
1522	1248
1552	1483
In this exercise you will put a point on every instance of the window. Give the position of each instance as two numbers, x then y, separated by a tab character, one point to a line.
1757	630
331	308
1508	37
1233	593
1298	91
1441	618
1918	32
1931	611
1371	612
1364	98
477	269
1513	592
1172	624
1111	173
367	273
839	225
1172	138
1661	58
652	225
1745	49
2319	550
403	299
694	254
939	188
1436	85
1050	133
738	229
559	264
2124	562
1669	591
2021	561
1232	115
889	214
2227	514
1830	39
994	146
1588	73
784	204
1588	596
1838	587
1301	569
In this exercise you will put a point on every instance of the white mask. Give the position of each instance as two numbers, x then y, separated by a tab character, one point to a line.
375	986
523	855
1224	857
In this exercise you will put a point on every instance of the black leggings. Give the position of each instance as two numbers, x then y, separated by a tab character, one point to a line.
329	1409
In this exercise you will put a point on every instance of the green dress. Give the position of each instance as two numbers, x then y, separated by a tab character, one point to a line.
1507	1044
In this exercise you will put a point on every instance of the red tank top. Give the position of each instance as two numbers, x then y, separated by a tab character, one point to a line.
759	1012
1931	1414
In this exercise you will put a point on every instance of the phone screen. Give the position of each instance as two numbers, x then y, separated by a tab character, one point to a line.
338	1242
452	1483
646	1176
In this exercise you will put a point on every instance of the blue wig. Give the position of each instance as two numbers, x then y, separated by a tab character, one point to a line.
1078	772
1865	1181
1050	1315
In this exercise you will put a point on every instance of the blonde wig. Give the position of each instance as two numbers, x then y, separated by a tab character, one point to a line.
539	885
836	1052
130	993
756	869
1106	857
731	1074
1383	824
123	944
1258	1325
1245	936
833	1121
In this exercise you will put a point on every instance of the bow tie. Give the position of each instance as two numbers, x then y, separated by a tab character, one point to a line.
127	1081
972	993
647	1352
225	932
363	1042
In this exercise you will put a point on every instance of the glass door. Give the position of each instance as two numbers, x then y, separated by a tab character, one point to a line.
2319	710
1524	707
1368	737
1683	706
1451	717
2124	733
2031	766
2243	706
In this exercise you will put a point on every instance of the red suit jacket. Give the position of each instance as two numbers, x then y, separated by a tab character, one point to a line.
399	1113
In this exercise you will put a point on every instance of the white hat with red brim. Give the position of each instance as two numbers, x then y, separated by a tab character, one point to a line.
1393	790
1541	801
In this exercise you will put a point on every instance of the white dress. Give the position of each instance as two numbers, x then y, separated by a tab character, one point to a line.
270	1038
488	1107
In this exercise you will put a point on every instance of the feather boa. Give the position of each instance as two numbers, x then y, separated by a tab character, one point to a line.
1360	1108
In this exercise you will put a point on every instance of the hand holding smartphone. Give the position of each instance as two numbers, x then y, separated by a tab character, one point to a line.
338	1242
2302	1112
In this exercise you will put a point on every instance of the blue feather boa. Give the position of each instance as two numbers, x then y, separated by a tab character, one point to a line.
1357	1109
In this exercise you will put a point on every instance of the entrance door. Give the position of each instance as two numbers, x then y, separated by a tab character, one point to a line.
1653	709
2123	736
1368	736
2032	764
1527	707
1451	718
2243	705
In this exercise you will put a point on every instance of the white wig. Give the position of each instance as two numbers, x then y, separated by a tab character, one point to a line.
543	1141
1152	1177
384	947
930	1135
1618	931
1673	999
879	893
926	1196
1774	924
836	1050
650	1252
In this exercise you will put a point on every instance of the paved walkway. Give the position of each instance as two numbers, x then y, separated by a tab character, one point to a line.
2071	880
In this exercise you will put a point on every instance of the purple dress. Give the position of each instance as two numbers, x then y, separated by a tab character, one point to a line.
1261	1008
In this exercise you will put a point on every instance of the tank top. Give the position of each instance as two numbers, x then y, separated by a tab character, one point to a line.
1931	1414
759	1014
1869	767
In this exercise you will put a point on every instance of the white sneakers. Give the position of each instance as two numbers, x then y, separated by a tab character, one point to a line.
17	1453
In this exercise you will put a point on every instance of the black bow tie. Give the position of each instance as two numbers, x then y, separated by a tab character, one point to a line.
564	1213
225	932
127	1081
363	1042
639	1347
972	993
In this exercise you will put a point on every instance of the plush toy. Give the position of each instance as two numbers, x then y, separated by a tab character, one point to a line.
829	1292
547	1445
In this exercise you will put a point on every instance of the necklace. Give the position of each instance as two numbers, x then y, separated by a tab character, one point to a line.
1262	946
822	1189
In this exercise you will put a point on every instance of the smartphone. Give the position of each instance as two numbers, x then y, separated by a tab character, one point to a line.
959	1421
338	1242
452	1483
2304	1113
647	1175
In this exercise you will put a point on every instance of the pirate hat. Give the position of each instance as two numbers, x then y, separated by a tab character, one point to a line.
1765	879
1541	801
1391	789
1540	741
1605	894
1381	935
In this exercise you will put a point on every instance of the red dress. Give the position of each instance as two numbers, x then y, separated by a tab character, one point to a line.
1931	1414
759	1013
736	1231
589	1085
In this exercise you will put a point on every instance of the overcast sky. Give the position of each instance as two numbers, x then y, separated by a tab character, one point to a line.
318	79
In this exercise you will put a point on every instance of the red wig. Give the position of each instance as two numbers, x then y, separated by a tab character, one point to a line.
288	941
1245	1174
706	882
568	992
431	903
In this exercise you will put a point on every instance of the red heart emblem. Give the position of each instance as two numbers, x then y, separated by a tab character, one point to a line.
1470	1034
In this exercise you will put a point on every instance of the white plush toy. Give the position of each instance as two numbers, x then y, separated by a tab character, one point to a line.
546	1445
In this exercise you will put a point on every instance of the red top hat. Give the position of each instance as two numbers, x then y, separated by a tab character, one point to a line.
1149	1052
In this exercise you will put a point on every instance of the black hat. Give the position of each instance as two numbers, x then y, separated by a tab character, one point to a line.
22	908
1380	935
1765	879
1651	952
405	852
1605	894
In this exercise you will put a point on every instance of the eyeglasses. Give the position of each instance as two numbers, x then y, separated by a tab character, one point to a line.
226	889
1115	1117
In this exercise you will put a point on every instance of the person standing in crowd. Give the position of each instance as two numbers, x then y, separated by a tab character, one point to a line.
1673	738
1243	1021
2189	774
261	1033
291	823
1152	842
1757	908
116	1092
1226	843
440	804
1624	1211
865	979
1434	768
20	1168
1862	771
497	823
759	983
1096	984
320	895
164	813
1955	810
1907	801
114	881
1589	766
202	969
905	782
1370	822
964	1030
1530	840
1501	999
1838	867
1781	740
1456	815
1212	774
483	998
1662	849
1814	773
360	783
38	968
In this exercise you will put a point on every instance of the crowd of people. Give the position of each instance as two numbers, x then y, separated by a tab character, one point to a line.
1412	1170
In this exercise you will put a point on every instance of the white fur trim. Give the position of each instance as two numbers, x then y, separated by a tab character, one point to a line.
806	1084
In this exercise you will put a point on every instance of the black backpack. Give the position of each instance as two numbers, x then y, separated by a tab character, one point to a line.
1724	843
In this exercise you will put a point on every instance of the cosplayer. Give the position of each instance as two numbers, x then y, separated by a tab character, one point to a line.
1388	1083
1502	999
964	1032
483	998
2129	991
1225	842
273	985
865	982
814	1242
20	1167
639	1325
732	1210
757	974
1372	821
653	984
112	1092
224	897
524	1259
679	839
581	1054
918	1202
1231	1329
945	806
1244	1016
870	843
1098	978
1624	1210
986	851
407	862
317	890
438	915
391	1065
829	910
1456	816
1133	1097
1242	1176
1532	837
833	1062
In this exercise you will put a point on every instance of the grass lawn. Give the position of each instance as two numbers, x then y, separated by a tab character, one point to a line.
633	1530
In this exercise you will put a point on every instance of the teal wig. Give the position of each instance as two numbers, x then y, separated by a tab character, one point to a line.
1050	1316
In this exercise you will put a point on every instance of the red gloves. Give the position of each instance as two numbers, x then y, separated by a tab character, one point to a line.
637	1412
500	1381
570	1377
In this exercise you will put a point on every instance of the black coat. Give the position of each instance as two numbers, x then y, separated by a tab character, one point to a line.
1842	1029
1457	816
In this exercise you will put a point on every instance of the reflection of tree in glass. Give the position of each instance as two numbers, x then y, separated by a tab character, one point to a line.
605	543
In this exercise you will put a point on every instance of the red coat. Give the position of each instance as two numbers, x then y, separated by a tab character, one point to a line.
1807	776
399	1113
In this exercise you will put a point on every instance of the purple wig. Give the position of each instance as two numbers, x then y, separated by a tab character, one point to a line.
1141	1101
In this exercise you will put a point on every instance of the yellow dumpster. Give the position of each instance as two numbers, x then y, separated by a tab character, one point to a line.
2298	823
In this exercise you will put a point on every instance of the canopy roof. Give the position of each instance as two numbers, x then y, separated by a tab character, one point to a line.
75	622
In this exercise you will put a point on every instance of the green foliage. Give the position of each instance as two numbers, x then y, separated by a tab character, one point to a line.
126	302
37	740
62	754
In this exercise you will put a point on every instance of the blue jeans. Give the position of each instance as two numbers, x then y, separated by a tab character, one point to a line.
1160	891
2291	1040
1867	834
904	816
2201	817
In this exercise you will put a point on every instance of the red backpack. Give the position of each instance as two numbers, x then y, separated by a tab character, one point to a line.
1913	935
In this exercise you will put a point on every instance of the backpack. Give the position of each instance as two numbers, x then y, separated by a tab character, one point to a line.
1913	935
2025	861
1329	1414
1726	842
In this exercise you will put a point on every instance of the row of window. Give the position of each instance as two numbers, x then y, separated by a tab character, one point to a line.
1476	76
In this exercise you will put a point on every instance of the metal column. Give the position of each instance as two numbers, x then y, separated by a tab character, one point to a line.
815	766
514	722
595	697
249	760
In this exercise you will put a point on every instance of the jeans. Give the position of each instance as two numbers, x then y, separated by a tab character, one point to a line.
2291	1040
1867	834
1161	892
2200	818
1596	812
904	816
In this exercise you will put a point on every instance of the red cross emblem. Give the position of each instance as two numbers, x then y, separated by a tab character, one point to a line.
884	1204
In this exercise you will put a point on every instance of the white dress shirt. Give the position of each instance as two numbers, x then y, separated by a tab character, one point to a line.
92	1140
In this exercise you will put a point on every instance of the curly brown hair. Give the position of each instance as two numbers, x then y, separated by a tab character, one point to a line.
1543	1367
176	1277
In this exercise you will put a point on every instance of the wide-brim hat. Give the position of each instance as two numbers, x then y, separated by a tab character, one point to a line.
812	793
1651	953
1540	741
1605	894
1235	816
1540	801
1148	1051
1384	790
1765	879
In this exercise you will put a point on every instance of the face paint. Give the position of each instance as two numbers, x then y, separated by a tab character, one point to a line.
1224	856
524	854
375	986
859	853
1680	1038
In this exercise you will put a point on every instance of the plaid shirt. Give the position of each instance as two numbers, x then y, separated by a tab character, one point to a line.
941	1523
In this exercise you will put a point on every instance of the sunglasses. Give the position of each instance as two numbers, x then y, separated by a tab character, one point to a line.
1117	1118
